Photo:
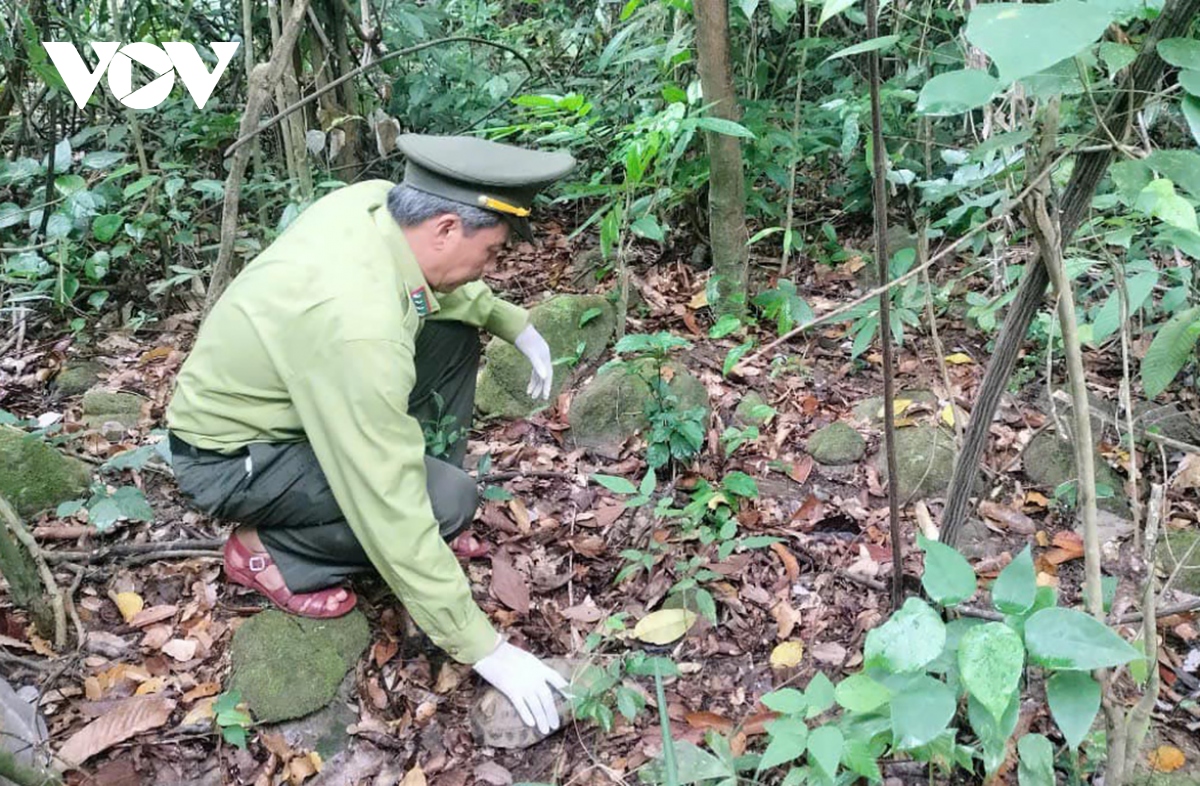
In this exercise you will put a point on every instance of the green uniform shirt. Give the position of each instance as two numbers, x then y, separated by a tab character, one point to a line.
314	340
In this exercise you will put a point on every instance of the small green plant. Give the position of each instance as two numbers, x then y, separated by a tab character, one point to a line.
106	506
230	720
572	360
442	433
733	438
907	304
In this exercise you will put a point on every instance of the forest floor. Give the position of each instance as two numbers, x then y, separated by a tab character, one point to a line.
824	584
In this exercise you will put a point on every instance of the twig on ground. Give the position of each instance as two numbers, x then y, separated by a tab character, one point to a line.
203	545
874	584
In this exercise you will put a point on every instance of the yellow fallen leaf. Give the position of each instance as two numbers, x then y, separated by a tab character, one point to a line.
414	777
787	655
1042	538
948	414
717	499
1036	498
315	758
152	685
904	422
1166	758
129	604
664	626
898	407
959	359
699	300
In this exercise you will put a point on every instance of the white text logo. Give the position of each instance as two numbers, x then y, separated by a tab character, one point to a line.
118	61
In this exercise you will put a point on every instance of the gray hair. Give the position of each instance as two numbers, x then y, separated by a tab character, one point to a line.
411	207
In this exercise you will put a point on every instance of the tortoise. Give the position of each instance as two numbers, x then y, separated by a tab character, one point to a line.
496	723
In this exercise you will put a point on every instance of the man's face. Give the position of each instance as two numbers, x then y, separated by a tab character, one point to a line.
465	257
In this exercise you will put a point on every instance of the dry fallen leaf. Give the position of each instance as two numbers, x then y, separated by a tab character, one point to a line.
790	565
201	715
152	615
787	655
664	626
203	690
181	649
493	773
785	619
1188	474
414	777
959	359
132	716
129	604
829	652
152	685
1068	546
520	514
1166	758
709	720
383	651
302	768
1011	518
448	679
508	585
1036	499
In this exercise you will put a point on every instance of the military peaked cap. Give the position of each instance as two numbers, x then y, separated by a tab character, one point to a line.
489	175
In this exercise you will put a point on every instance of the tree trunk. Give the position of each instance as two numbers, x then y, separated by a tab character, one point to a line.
1128	98
726	187
349	161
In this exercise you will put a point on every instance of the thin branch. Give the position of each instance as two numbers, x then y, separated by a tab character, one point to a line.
51	586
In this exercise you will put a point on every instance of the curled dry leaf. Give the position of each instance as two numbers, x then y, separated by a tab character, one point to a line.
129	604
787	655
132	716
448	679
152	615
709	720
414	777
1010	518
493	773
181	649
508	585
785	619
790	565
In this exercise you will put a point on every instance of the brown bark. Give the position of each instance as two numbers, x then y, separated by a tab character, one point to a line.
1090	167
726	187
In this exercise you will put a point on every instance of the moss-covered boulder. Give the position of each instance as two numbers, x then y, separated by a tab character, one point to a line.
36	477
924	462
836	444
1173	550
287	666
612	407
78	377
1050	462
751	410
112	413
505	374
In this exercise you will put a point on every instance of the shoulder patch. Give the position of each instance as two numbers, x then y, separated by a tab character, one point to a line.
420	301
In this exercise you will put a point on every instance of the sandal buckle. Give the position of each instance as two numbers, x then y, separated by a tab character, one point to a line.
257	563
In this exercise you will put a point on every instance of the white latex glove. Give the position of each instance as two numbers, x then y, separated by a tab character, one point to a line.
527	683
533	346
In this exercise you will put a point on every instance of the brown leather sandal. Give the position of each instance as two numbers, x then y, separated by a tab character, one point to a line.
304	604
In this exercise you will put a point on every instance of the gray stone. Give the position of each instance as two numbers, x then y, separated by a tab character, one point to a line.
505	374
836	444
744	413
1050	462
976	541
870	410
612	407
112	413
324	731
24	729
924	462
1173	550
287	666
1169	421
79	376
36	477
1103	412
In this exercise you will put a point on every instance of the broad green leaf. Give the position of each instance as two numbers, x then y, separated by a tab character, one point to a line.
748	7
1181	166
105	227
615	483
861	760
1068	639
139	185
913	637
720	125
956	92
1025	39
741	484
589	315
825	749
882	43
724	326
948	577
648	227
101	159
788	701
11	214
210	188
832	8
1160	201
1190	80
735	355
1016	586
921	712
1130	177
1170	350
695	765
1074	699
69	184
1191	112
990	660
819	694
132	504
67	509
1116	56
1037	761
993	734
788	738
1180	52
782	10
104	514
860	693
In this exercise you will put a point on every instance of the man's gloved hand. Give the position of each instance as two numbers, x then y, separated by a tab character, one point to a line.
526	681
533	346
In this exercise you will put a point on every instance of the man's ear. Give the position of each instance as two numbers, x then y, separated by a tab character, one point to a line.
445	225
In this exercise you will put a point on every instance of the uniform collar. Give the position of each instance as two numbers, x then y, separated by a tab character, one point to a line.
417	290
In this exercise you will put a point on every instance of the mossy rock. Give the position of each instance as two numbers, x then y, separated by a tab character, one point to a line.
744	414
78	377
1173	549
287	666
836	444
1050	462
501	387
924	462
36	477
612	407
870	410
111	413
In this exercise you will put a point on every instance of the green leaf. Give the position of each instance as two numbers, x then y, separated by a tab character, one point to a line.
913	637
647	227
497	494
101	159
819	694
990	660
1181	166
1191	112
993	735
139	185
1180	52
1116	56
1069	639
881	43
104	514
948	577
234	735
132	504
1170	350
649	481
788	741
921	711
832	8
860	693
629	702
1190	80
105	227
1016	586
1025	39
1037	761
615	483
724	326
68	509
69	184
956	92
1159	200
735	355
788	701
1074	699
722	126
825	749
589	315
861	760
741	484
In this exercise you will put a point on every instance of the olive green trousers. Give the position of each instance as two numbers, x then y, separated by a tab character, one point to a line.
287	498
